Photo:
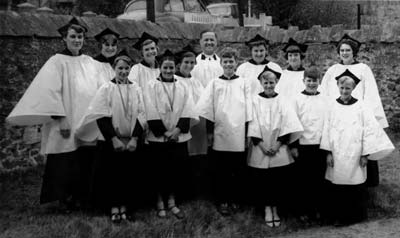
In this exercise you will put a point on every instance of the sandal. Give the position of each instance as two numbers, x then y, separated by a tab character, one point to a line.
177	212
126	217
161	213
115	217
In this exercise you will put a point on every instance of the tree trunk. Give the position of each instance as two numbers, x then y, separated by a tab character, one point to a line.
151	16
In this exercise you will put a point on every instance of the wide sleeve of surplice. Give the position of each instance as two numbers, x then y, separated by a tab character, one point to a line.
372	98
205	105
99	107
375	141
189	110
254	129
326	141
43	98
290	123
141	108
134	74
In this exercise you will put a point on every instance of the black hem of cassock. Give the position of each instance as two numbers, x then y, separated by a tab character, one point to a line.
309	180
229	170
372	173
271	186
115	178
59	177
347	203
168	161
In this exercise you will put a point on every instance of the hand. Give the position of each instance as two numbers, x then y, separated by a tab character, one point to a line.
363	161
132	144
275	148
329	160
294	152
65	128
174	137
210	139
264	150
117	144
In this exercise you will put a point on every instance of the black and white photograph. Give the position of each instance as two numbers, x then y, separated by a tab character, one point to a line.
199	118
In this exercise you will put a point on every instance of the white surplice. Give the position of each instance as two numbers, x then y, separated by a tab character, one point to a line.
64	86
311	111
198	144
207	69
250	72
227	103
122	102
168	102
290	84
142	75
366	90
272	118
352	131
105	71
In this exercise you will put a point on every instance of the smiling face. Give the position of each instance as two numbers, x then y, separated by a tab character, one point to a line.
208	43
187	64
167	69
74	41
122	70
311	84
268	81
109	46
346	53
294	59
228	65
258	53
346	86
149	52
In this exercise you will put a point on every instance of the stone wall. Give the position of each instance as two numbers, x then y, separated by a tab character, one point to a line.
24	52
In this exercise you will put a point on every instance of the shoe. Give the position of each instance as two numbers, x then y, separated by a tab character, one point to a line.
223	209
275	217
177	212
277	222
269	218
125	217
115	218
161	213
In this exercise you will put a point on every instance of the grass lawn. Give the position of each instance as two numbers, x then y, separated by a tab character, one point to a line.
21	216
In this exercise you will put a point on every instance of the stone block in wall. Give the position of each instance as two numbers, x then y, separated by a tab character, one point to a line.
314	34
336	32
290	33
372	33
390	32
128	28
300	36
275	34
172	30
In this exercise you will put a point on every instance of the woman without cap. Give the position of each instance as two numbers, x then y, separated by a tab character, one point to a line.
57	98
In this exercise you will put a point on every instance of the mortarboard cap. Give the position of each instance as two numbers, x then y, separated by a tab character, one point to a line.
349	74
106	31
123	55
294	46
258	39
184	50
145	36
74	21
354	44
268	69
167	54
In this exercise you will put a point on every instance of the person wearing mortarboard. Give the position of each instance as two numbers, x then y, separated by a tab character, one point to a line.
291	83
367	90
118	110
198	145
57	99
208	64
169	112
147	70
108	42
274	127
352	137
251	69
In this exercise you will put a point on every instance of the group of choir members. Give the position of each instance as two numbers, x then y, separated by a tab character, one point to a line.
285	141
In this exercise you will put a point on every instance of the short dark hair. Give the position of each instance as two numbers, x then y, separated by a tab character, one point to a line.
76	28
229	52
206	31
185	55
353	45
